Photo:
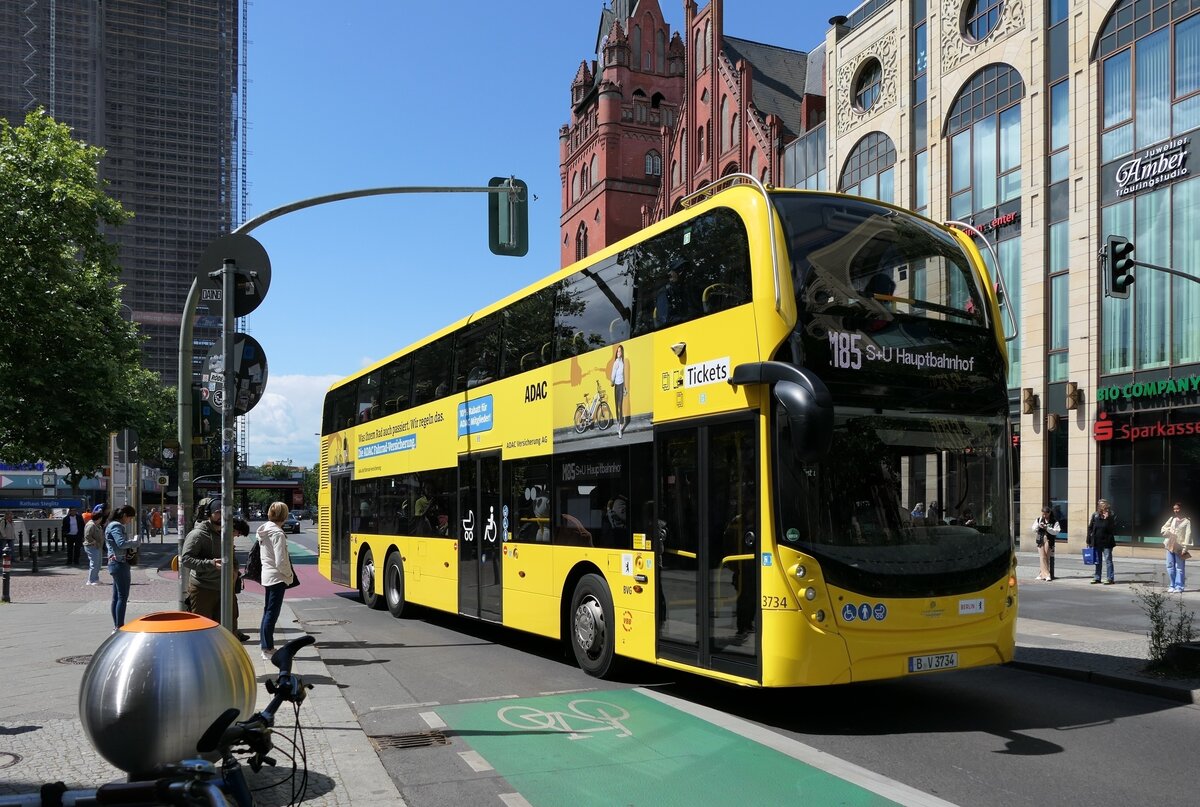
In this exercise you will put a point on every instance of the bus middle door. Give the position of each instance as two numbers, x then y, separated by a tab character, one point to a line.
480	537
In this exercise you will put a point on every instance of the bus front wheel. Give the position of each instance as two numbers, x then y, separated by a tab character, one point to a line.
393	583
366	582
592	626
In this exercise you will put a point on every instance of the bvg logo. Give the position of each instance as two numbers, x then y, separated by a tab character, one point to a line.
1102	429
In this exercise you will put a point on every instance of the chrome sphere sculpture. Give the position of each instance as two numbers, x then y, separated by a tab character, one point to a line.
157	684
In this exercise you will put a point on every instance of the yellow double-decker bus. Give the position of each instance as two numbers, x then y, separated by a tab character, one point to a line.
764	440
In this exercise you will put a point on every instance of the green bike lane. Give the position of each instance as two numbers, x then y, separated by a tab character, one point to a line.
640	747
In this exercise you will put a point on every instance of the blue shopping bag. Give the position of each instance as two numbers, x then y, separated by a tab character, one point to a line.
1089	556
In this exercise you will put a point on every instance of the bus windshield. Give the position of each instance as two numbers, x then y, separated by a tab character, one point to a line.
851	256
906	503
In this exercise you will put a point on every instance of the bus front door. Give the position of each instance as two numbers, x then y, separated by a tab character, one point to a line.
339	530
707	495
480	537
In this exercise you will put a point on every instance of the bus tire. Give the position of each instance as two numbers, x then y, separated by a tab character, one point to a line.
591	626
366	582
393	583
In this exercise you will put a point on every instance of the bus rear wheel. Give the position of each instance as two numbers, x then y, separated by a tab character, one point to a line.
366	582
591	626
393	583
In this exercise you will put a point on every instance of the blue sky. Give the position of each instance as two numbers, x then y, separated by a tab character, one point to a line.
370	93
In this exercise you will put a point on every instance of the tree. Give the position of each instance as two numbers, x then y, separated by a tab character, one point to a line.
70	365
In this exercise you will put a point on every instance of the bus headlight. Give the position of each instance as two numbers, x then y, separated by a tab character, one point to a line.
801	572
819	616
810	593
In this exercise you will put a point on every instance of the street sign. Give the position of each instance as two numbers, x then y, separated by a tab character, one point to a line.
249	375
250	257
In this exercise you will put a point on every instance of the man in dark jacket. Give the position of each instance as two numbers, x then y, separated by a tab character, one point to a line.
1101	539
202	556
72	533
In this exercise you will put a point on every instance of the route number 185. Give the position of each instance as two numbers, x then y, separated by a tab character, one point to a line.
844	351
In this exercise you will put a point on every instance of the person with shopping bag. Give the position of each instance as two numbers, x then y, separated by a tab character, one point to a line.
1177	537
1102	541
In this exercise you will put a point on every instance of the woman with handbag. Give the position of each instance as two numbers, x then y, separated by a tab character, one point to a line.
1177	537
1045	530
120	546
1102	541
277	573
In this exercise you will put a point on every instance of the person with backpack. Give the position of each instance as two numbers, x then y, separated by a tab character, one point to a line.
276	573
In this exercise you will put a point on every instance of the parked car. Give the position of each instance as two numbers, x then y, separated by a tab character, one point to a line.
291	523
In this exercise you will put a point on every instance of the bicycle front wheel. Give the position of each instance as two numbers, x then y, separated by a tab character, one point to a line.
581	419
604	416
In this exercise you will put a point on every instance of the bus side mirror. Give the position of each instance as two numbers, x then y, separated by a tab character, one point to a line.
805	399
810	422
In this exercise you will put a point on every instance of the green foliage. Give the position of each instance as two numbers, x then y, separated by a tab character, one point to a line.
70	365
1167	626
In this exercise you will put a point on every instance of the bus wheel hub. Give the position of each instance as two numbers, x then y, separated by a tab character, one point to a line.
589	625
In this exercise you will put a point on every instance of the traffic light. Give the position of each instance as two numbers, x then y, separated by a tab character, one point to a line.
1120	266
508	217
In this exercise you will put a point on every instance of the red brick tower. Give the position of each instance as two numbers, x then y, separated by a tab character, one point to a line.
611	159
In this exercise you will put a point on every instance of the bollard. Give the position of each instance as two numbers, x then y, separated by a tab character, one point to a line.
5	572
39	549
52	539
20	544
33	554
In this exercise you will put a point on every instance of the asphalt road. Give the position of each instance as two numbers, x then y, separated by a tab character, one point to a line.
998	736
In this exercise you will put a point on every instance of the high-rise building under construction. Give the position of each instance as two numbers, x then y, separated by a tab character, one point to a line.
160	85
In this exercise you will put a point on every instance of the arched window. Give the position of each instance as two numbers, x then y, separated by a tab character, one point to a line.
660	52
707	44
700	141
637	44
984	130
753	162
585	181
675	172
594	171
735	130
1150	101
699	51
870	170
653	164
725	140
575	186
581	245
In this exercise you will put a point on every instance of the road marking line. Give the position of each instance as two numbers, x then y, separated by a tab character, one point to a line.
567	691
432	720
389	707
489	698
476	761
514	800
821	760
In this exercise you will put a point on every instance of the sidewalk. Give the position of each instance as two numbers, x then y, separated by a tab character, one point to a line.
55	623
1106	657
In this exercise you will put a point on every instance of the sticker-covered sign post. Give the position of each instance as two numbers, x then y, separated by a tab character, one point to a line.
244	274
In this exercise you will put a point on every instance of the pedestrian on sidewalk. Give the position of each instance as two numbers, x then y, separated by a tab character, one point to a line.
277	573
8	531
202	555
1177	537
156	523
117	540
93	542
72	532
1101	539
1045	530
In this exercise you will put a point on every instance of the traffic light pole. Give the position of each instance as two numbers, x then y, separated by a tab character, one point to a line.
184	387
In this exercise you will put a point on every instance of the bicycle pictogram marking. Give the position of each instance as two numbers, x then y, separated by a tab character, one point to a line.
583	718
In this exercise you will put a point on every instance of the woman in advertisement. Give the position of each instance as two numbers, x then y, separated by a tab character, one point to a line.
618	374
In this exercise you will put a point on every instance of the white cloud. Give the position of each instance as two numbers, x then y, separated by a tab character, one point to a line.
285	423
